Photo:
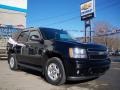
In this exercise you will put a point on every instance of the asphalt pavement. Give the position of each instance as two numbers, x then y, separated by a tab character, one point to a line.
25	79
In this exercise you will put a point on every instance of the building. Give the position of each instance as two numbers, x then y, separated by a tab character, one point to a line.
13	13
12	18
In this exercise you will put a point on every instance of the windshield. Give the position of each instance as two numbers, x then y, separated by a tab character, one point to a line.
55	34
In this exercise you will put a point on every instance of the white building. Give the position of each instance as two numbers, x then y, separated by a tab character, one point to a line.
13	13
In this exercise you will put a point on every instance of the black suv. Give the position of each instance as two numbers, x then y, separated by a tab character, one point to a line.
54	53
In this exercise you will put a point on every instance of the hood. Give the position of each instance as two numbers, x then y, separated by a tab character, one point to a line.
74	43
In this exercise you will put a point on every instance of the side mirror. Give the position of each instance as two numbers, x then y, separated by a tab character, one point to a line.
34	38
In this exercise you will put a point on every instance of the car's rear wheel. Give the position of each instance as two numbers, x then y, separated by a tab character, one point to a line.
54	71
13	62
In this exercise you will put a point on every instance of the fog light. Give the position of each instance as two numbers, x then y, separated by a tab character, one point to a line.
78	72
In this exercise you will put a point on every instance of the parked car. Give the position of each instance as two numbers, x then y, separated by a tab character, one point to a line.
111	52
54	53
117	52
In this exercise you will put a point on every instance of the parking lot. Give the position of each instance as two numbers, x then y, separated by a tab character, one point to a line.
31	80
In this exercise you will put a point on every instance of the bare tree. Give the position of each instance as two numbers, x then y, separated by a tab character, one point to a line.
101	30
102	34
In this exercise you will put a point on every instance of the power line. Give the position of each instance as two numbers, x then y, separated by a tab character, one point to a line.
60	15
113	5
75	11
62	21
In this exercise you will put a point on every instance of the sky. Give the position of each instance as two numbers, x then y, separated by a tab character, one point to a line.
65	14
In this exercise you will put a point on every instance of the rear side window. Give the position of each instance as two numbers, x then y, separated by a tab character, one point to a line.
23	37
48	33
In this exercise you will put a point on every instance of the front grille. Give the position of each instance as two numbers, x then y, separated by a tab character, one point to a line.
97	54
94	49
98	57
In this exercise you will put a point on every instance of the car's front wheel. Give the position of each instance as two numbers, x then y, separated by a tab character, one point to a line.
13	62
54	71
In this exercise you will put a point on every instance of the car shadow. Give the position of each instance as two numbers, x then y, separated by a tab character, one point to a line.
33	72
79	81
41	76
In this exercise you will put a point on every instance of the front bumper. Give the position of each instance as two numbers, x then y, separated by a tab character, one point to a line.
86	69
81	78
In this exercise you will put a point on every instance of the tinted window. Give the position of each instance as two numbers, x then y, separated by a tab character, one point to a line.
23	36
55	34
48	33
64	36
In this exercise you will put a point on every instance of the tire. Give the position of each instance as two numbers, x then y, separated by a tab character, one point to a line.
54	71
13	62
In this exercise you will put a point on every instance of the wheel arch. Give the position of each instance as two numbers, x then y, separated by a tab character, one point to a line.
49	55
9	52
55	54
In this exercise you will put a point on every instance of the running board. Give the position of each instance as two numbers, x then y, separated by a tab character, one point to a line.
30	67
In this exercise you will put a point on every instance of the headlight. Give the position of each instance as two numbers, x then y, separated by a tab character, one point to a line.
77	53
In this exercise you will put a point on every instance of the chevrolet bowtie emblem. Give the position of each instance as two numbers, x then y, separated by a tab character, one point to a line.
86	6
